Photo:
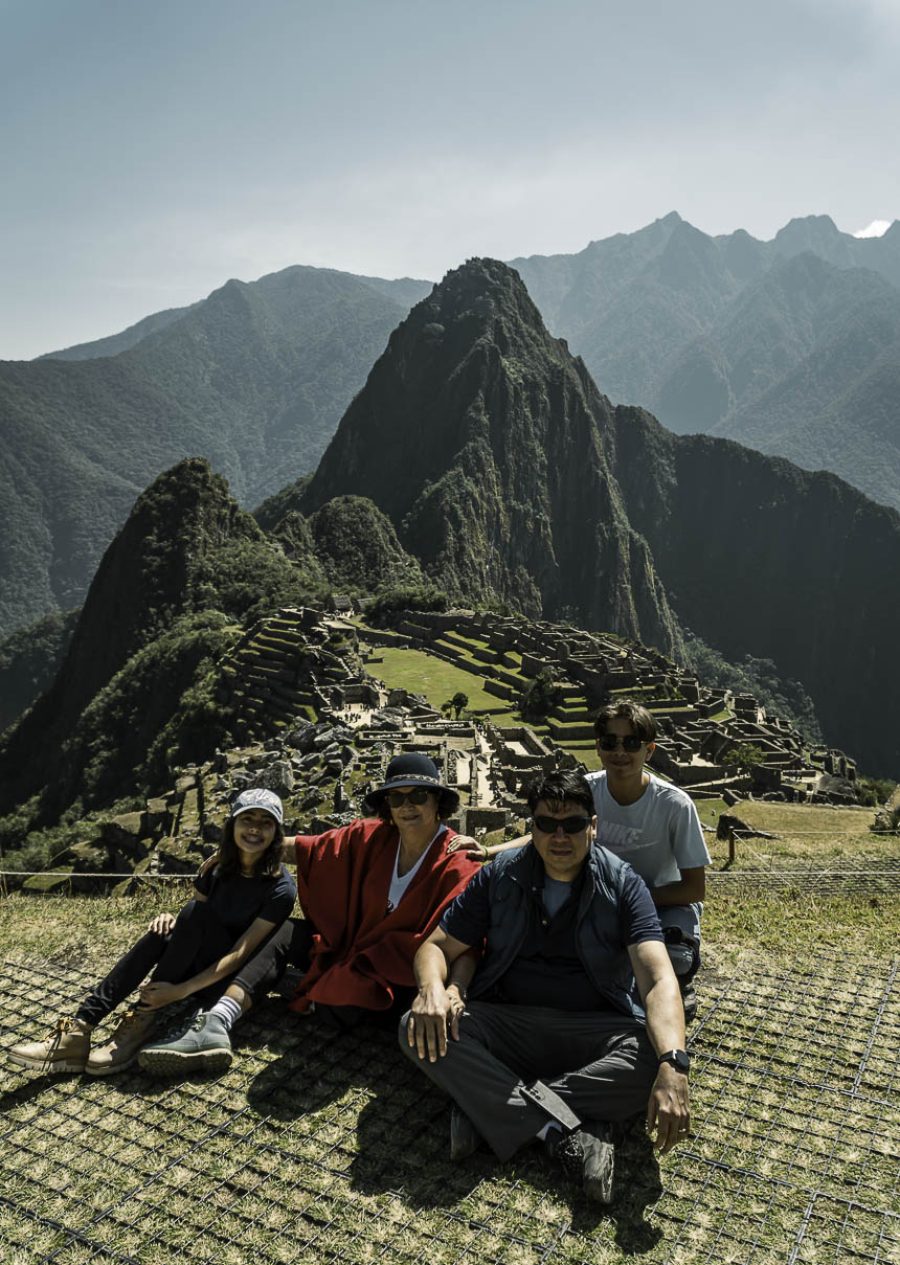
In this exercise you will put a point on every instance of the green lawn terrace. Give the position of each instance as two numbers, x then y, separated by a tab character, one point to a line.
797	848
318	1146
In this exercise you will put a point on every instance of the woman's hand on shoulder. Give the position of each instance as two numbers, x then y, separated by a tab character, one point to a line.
162	924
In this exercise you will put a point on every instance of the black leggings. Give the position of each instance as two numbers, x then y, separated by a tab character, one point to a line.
196	941
288	946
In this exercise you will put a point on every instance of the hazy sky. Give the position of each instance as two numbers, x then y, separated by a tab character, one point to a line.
151	149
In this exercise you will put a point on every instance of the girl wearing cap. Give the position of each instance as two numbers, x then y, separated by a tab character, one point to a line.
235	908
371	892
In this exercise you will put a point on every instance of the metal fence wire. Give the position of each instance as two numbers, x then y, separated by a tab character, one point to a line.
839	876
326	1147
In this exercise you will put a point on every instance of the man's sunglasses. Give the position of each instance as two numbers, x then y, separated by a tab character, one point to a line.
418	796
570	825
609	742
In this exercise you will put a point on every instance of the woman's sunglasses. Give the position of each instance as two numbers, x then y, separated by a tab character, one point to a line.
418	796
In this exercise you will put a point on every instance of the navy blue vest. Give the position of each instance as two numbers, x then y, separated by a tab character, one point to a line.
600	932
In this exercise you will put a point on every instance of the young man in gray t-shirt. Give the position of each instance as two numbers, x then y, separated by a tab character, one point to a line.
655	828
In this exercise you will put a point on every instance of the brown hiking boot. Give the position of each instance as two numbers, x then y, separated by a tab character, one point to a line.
121	1050
65	1050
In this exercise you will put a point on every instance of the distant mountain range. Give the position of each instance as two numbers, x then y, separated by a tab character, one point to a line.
479	457
790	346
255	379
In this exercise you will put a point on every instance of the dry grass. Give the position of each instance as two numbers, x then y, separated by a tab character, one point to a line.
317	1147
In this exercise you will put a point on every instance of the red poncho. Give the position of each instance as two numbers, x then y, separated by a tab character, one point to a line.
360	952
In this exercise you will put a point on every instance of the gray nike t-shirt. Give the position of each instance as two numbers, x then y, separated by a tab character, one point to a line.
659	835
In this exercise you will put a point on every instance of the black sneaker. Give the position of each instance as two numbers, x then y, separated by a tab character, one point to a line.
464	1137
588	1154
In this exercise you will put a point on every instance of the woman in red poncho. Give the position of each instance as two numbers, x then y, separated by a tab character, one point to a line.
371	893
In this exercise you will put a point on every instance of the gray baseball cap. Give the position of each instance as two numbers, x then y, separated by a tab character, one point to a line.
256	797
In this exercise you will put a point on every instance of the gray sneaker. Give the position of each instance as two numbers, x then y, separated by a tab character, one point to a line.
205	1046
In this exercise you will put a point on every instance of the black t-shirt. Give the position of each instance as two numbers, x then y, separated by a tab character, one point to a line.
547	971
238	901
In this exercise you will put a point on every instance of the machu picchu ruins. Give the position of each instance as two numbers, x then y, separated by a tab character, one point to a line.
313	720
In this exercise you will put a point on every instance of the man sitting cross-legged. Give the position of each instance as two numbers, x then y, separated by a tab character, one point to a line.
574	1018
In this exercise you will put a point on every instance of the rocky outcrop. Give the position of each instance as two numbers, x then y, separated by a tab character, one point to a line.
286	667
358	548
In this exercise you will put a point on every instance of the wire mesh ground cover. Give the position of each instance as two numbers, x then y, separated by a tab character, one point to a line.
843	875
322	1148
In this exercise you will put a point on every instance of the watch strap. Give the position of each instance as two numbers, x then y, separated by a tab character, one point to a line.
680	1059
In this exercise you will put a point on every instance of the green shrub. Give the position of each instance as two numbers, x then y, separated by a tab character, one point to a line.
426	597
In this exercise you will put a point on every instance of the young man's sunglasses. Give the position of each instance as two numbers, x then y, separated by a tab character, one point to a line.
570	825
418	796
609	742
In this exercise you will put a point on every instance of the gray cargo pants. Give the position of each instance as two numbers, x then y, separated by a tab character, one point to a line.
515	1068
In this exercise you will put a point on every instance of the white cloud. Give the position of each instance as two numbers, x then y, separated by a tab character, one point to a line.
876	229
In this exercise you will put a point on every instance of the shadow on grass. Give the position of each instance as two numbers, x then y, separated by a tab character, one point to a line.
316	1060
402	1130
403	1142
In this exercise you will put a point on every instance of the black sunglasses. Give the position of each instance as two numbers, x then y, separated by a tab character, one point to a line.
418	796
570	825
609	742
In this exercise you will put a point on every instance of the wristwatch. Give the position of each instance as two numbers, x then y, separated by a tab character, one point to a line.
680	1060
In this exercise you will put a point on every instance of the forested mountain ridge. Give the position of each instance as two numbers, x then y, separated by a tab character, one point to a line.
124	340
255	379
508	475
762	558
476	435
186	570
791	346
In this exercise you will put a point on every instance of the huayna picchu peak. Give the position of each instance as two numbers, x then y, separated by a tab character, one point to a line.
477	435
512	478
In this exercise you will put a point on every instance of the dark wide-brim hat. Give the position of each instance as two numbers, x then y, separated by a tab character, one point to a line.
412	769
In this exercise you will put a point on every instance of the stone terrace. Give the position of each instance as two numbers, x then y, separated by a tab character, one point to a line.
699	726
